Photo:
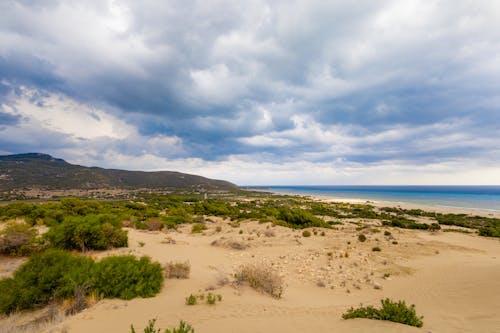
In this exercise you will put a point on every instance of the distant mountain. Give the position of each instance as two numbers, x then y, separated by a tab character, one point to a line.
42	171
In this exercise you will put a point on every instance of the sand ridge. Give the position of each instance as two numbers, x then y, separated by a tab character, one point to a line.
452	278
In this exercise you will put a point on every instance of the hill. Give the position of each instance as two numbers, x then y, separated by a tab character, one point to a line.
42	171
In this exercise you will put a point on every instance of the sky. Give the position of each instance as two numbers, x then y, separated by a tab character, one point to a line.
300	92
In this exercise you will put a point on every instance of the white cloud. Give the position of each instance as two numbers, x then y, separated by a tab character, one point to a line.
63	124
58	113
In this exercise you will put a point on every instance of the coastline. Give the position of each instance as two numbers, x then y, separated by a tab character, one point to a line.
396	204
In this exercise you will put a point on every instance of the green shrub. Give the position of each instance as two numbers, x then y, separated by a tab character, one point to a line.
96	232
127	277
376	249
56	275
18	239
361	237
306	233
300	218
182	328
397	312
402	222
191	300
198	228
212	298
489	232
53	274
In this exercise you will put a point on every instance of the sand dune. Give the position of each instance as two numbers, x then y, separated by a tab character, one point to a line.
452	278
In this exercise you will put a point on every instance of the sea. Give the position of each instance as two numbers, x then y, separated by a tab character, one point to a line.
466	197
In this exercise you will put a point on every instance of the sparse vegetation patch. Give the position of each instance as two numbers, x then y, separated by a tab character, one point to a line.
261	277
177	270
150	328
397	312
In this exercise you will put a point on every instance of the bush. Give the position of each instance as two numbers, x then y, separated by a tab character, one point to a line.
306	233
402	222
53	274
397	312
17	239
191	300
489	232
127	277
212	298
182	328
376	249
56	275
153	224
177	270
261	277
198	228
96	232
361	237
300	218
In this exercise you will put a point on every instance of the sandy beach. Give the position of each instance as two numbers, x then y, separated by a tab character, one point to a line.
452	278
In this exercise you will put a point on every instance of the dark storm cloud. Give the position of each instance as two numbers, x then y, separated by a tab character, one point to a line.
359	81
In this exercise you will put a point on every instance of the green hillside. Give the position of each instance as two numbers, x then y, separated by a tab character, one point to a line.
35	170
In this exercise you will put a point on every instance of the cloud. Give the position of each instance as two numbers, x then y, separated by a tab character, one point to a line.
312	83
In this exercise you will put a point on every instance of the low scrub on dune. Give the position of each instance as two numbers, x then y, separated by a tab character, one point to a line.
90	232
127	277
397	312
177	270
261	277
197	228
402	222
182	328
299	218
55	275
18	239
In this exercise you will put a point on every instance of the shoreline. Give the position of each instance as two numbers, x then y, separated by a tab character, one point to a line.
404	205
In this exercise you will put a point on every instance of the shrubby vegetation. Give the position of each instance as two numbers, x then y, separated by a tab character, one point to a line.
397	312
402	222
55	275
90	232
261	277
300	218
19	239
210	299
154	212
177	270
127	277
182	328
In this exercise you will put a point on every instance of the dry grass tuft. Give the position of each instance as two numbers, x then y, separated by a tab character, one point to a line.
230	244
39	321
177	270
261	277
153	224
269	233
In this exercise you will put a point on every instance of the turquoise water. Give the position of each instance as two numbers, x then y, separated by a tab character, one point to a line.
470	197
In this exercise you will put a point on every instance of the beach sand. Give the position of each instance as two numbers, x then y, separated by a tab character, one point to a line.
452	278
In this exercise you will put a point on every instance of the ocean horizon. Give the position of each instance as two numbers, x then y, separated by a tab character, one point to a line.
466	197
